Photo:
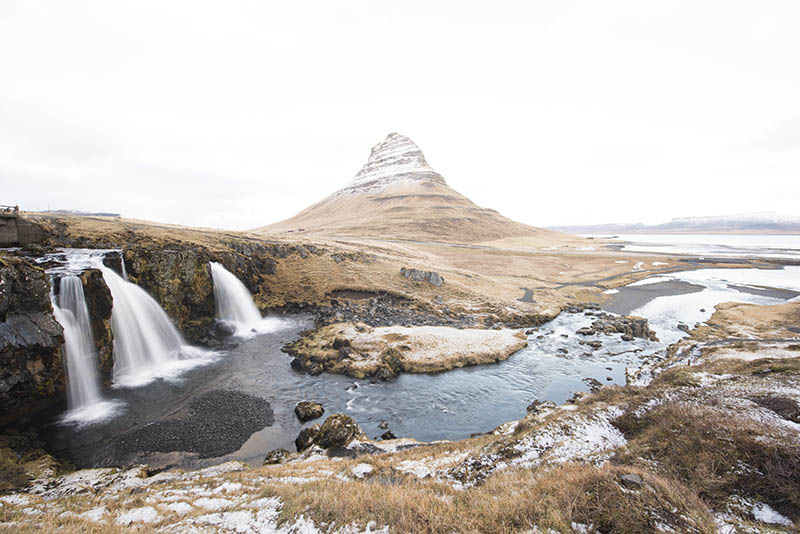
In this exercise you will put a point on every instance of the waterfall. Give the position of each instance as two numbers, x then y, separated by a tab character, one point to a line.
233	301
122	263
146	343
235	305
83	386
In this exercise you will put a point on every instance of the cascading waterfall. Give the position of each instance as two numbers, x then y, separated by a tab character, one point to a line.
233	301
122	264
83	386
146	343
234	304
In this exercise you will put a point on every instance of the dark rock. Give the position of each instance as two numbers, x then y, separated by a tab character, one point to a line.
340	342
586	331
383	425
308	410
683	326
345	353
224	329
630	327
337	431
594	384
631	481
388	435
540	405
99	302
31	364
306	437
276	456
594	344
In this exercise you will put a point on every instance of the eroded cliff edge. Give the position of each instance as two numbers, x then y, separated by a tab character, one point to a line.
31	366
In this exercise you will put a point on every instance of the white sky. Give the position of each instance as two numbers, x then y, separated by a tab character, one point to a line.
238	114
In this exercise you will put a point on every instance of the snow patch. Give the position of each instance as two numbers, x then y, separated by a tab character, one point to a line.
210	503
180	508
764	513
145	514
361	470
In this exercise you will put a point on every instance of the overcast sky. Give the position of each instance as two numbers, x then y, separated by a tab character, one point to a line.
238	114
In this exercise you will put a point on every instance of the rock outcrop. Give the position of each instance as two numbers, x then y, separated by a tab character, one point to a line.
431	277
31	365
308	410
361	351
100	303
179	278
337	431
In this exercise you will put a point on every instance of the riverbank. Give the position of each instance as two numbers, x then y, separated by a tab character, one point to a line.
610	461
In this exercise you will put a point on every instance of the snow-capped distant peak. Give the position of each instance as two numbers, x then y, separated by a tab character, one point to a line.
397	158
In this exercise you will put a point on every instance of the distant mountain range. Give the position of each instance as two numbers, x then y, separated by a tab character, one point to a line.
81	213
746	223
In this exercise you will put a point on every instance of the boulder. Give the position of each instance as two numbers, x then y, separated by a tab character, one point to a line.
277	456
337	431
416	275
306	437
308	410
388	435
224	329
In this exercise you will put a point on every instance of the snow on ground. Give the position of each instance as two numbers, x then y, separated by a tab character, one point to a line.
429	467
145	514
432	343
586	438
764	513
361	470
210	503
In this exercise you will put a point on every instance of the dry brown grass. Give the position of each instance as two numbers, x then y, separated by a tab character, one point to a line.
511	501
716	455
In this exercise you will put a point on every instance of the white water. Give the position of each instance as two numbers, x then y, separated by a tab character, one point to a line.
146	343
234	304
85	402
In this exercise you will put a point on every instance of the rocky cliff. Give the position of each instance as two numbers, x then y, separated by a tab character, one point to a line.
99	303
31	366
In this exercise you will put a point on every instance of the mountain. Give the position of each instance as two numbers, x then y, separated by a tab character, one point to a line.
744	223
397	195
